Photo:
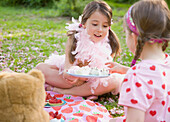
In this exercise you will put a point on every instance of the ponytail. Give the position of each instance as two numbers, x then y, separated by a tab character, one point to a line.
139	48
73	40
114	43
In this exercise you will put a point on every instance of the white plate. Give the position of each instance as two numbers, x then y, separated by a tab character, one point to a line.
89	76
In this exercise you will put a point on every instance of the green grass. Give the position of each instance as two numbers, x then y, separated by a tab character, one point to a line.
29	36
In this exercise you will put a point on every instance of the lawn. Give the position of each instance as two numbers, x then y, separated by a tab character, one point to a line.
29	36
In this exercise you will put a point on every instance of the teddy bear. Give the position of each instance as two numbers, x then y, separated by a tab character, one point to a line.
22	97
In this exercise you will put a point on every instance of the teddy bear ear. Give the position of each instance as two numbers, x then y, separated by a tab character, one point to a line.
37	73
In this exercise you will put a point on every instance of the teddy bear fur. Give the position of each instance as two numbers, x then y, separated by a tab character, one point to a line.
22	97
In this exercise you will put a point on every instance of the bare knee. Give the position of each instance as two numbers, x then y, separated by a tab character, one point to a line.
102	89
44	68
40	66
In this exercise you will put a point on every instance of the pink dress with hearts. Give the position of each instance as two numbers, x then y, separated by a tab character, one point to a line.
147	87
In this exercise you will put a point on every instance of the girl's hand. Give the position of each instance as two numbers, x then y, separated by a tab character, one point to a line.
76	81
79	82
54	67
117	68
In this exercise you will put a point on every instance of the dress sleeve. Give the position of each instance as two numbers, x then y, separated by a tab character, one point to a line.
137	90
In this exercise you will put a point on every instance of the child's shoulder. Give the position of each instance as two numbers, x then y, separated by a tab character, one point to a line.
144	73
152	65
141	66
145	69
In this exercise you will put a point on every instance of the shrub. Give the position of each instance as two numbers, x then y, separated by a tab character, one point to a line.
71	8
28	3
123	1
132	1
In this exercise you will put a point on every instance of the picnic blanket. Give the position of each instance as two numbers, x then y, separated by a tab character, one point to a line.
77	109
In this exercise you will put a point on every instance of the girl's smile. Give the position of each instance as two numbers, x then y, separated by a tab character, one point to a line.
97	26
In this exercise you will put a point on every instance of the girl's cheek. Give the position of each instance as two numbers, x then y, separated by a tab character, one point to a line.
93	27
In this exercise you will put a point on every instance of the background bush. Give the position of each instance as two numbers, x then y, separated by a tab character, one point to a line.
70	8
132	1
123	1
27	3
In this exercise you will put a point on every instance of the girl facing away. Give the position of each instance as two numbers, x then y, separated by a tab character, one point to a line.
145	91
91	43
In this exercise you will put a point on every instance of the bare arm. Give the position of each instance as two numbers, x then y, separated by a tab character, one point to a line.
85	89
117	68
135	115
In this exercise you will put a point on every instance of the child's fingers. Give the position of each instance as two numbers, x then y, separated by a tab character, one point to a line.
112	71
54	67
76	82
79	82
71	81
83	79
109	64
70	77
